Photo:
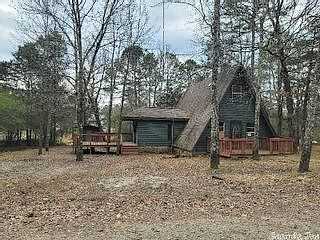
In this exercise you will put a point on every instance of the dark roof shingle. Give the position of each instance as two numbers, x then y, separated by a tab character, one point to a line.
198	95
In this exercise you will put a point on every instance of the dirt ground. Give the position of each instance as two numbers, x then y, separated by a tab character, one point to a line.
156	197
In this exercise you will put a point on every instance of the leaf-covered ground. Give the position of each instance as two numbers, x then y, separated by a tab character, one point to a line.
155	197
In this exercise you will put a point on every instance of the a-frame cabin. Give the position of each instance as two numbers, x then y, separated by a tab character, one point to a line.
187	126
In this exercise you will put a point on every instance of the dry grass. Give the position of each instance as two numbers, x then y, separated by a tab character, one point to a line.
154	197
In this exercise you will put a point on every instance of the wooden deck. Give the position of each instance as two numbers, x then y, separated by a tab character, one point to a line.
228	147
267	146
106	141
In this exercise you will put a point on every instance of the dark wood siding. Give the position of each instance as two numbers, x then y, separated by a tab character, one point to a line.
238	109
156	133
241	108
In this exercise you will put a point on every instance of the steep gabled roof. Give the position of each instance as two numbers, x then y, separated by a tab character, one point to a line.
200	109
192	132
198	95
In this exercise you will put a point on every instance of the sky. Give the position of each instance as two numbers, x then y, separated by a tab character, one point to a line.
179	29
7	30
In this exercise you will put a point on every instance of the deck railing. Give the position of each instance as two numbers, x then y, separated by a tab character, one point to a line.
101	137
109	141
281	145
239	146
244	146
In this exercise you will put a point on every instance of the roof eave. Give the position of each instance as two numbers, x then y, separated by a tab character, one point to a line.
127	118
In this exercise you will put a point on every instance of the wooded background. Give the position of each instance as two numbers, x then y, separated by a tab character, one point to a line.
87	62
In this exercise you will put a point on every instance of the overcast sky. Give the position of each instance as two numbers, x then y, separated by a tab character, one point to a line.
179	29
7	30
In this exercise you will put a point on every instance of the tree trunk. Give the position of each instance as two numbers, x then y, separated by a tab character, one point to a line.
112	86
40	144
135	87
214	151
284	74
80	78
307	143
279	105
19	137
122	104
97	114
54	131
80	118
149	88
279	45
28	136
258	90
48	127
155	94
304	111
257	122
313	100
110	110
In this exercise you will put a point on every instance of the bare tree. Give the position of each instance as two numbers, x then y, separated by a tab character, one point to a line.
137	31
209	13
73	18
258	77
310	123
214	150
287	19
258	91
312	100
114	69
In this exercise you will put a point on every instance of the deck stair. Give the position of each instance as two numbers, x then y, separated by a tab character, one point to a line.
129	149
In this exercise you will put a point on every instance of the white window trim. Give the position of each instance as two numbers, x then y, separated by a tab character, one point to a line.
250	133
236	93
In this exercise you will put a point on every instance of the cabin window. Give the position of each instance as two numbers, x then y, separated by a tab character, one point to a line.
250	130
236	91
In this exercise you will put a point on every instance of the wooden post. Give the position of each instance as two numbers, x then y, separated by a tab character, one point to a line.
172	136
